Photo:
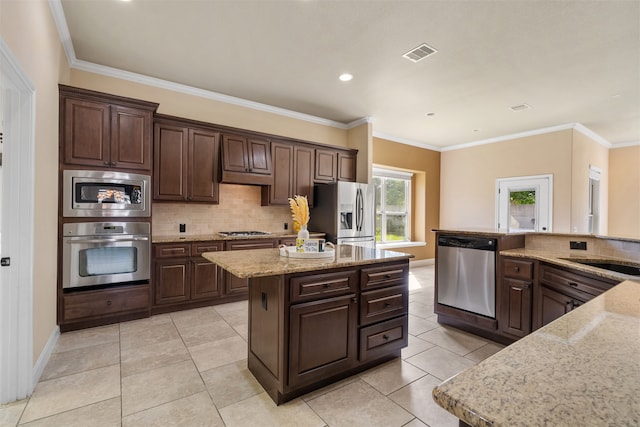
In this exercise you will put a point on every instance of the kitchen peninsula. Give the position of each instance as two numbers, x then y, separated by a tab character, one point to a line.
582	369
315	321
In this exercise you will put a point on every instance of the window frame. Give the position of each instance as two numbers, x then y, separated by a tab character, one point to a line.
384	174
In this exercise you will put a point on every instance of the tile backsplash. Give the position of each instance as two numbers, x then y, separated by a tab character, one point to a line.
239	209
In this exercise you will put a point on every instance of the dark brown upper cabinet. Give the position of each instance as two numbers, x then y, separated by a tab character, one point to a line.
246	160
292	173
186	160
334	165
105	131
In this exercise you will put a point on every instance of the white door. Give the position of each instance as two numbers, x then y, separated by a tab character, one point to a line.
17	100
524	203
594	200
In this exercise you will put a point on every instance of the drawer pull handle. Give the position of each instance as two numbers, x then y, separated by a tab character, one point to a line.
385	337
325	285
573	284
387	276
387	304
108	302
517	269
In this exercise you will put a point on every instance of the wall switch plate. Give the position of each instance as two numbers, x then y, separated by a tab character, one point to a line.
578	245
183	228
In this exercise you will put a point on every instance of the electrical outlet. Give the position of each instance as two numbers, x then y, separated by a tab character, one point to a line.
286	225
183	228
578	245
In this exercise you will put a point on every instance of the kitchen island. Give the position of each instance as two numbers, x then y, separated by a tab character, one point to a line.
581	369
315	321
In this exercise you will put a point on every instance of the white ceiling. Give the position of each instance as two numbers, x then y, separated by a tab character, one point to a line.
571	61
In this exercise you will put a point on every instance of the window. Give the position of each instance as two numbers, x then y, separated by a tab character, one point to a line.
393	205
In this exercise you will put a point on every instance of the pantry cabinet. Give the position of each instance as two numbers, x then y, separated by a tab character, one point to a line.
99	130
186	162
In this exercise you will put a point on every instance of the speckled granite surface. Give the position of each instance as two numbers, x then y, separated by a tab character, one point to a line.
583	369
181	238
268	262
559	258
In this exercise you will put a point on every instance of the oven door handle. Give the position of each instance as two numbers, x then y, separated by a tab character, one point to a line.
108	240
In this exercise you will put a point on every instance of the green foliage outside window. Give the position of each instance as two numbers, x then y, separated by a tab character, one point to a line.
523	197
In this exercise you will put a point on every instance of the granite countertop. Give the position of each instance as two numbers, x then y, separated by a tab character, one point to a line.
581	369
493	232
180	238
268	262
559	258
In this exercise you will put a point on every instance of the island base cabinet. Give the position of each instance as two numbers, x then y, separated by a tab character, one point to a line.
307	330
323	339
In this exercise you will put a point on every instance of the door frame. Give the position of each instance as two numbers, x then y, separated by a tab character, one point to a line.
524	182
16	284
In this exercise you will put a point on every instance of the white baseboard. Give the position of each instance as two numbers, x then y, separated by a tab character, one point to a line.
38	368
422	262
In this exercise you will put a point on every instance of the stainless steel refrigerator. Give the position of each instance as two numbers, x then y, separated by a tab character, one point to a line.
345	211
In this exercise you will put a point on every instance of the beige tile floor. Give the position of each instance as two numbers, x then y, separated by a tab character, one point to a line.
188	368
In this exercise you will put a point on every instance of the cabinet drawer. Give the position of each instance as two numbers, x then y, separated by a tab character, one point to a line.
383	338
112	301
323	285
383	304
238	245
172	250
387	275
564	281
198	249
518	269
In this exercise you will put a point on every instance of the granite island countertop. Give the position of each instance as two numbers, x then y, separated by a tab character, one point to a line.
581	369
268	262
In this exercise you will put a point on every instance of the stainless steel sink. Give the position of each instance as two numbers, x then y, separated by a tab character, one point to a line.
632	270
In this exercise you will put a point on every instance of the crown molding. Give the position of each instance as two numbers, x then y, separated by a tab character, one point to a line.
625	144
359	122
406	141
591	134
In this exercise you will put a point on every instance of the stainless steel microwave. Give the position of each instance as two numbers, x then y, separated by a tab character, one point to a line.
105	194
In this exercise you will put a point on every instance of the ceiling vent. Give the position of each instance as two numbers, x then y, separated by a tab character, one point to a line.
419	53
520	107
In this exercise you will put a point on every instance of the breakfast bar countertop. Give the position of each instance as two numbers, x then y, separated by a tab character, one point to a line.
268	262
581	369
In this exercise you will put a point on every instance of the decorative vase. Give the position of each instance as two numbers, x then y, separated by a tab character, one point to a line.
303	236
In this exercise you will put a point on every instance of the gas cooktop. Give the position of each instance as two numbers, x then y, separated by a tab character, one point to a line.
243	233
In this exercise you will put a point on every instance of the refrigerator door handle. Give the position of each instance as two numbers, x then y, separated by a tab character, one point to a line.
359	210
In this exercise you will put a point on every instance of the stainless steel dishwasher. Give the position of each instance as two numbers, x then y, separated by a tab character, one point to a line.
467	274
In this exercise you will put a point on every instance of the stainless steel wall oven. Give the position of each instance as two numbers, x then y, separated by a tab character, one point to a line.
105	253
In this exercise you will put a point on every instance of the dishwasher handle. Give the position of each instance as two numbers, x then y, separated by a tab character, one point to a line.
469	242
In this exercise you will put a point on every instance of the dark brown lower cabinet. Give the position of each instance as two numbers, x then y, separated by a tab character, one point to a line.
236	285
560	290
323	339
184	279
515	319
307	330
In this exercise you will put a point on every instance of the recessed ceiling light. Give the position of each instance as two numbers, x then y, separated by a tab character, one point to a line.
345	77
430	114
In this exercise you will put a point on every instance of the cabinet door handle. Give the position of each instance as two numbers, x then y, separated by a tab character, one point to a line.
385	337
113	163
517	269
354	300
106	163
527	286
